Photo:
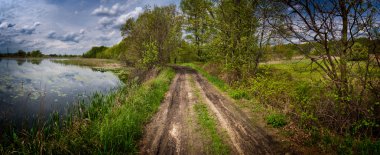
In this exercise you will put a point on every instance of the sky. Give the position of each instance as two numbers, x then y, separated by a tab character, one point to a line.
66	26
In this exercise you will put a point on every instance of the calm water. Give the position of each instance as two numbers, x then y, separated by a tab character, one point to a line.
31	88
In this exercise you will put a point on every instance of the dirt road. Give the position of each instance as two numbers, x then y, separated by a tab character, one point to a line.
175	128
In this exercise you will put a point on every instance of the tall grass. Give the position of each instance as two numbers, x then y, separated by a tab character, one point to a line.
123	126
110	124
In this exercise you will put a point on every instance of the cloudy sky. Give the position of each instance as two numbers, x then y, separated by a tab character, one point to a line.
66	26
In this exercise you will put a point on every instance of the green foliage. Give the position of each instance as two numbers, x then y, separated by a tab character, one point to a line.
154	37
21	53
286	51
94	51
36	53
358	52
235	41
198	23
368	147
114	52
150	54
238	94
276	120
117	51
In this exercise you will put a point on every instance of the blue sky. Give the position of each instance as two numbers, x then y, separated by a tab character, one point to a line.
66	26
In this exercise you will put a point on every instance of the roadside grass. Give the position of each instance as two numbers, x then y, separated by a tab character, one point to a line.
209	125
291	92
121	128
109	124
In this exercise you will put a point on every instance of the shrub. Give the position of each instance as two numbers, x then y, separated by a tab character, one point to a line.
238	94
276	120
358	52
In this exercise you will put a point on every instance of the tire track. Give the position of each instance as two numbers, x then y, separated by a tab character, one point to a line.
174	129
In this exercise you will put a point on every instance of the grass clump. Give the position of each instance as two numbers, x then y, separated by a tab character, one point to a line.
208	123
276	120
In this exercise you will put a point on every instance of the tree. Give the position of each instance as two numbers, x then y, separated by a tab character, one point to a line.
159	28
36	53
333	27
94	52
198	23
235	41
21	53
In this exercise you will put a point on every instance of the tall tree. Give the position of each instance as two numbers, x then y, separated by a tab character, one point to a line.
153	36
236	25
198	15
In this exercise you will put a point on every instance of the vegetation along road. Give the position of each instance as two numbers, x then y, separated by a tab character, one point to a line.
195	118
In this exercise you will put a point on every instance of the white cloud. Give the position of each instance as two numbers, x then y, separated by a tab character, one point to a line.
105	21
104	11
68	37
30	29
133	14
115	21
5	25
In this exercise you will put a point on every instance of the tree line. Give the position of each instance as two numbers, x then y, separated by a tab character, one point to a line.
22	53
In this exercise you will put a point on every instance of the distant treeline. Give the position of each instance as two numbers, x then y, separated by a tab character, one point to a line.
34	54
106	52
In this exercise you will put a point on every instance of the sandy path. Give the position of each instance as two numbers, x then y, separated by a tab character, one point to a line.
174	128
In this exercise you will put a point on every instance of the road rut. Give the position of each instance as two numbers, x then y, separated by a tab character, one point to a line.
174	128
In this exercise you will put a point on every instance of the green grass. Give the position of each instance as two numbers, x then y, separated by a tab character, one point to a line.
208	123
110	124
276	120
121	128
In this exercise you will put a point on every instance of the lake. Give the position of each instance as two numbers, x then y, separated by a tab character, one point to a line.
36	88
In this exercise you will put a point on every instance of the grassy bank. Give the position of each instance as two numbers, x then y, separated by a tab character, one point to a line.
295	98
110	124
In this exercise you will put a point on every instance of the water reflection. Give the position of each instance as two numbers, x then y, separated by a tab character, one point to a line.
20	61
35	61
29	88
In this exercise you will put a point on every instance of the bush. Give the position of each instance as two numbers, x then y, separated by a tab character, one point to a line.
358	52
276	120
238	94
